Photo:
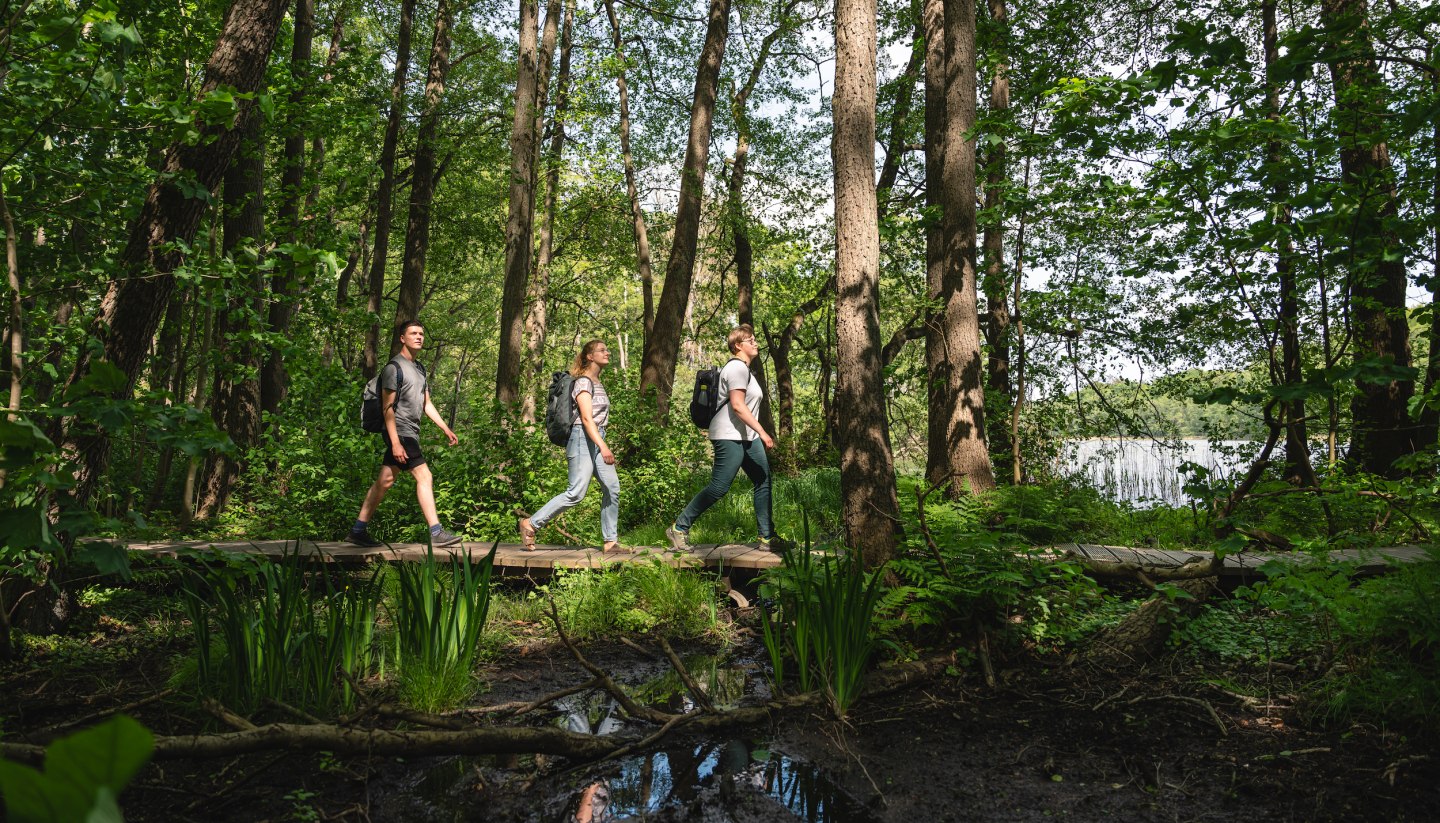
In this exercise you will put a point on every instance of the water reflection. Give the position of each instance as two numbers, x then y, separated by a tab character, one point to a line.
596	712
1144	472
715	776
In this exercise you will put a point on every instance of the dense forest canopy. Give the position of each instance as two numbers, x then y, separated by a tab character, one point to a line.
215	211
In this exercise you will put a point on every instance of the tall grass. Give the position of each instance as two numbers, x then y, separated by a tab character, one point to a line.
823	623
267	631
636	598
438	617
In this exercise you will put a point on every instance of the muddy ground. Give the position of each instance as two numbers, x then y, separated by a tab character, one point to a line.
1050	741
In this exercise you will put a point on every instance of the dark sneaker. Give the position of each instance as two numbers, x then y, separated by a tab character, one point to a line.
679	541
776	543
362	539
444	538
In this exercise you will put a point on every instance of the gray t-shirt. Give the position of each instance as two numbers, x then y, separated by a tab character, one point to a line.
726	424
599	400
410	398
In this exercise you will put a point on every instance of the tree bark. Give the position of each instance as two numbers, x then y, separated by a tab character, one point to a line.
1297	445
423	178
166	222
385	194
1383	431
519	227
997	327
535	317
780	352
662	345
867	469
17	311
235	405
1430	415
285	282
952	347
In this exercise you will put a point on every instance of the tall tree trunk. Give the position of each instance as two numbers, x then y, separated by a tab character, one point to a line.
1297	446
167	221
192	470
997	327
385	194
632	190
867	469
518	237
235	406
952	343
1430	415
1383	431
423	177
662	345
285	283
17	311
535	319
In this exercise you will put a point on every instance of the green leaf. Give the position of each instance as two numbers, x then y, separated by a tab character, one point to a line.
106	756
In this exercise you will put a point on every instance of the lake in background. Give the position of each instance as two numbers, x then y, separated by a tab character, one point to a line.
1145	472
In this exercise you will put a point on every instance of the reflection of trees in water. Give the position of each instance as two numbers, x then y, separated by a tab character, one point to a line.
723	772
724	685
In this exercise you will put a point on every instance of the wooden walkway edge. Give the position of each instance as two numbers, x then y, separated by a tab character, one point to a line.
510	558
1244	564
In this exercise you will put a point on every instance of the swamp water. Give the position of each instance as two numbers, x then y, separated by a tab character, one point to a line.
1145	472
683	778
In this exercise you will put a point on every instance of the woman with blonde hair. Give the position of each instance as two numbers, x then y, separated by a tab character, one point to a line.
586	452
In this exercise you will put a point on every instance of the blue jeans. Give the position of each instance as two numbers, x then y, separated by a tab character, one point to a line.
730	457
585	462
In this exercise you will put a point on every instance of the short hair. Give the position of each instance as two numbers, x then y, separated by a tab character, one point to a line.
737	334
404	326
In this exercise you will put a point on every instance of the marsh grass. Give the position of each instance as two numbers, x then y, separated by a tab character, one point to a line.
823	622
270	631
438	617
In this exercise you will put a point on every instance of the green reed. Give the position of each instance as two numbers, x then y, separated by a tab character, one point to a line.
267	631
438	616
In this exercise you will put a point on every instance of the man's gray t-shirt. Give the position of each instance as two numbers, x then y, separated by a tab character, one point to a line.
726	425
599	400
410	399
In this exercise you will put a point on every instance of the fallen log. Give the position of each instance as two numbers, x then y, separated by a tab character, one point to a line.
1143	633
349	740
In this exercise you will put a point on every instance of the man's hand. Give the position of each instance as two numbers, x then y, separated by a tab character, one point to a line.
398	450
450	435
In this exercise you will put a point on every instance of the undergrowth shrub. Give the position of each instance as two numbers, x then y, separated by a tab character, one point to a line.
1376	640
636	598
438	617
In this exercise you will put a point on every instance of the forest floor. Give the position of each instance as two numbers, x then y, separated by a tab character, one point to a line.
1052	740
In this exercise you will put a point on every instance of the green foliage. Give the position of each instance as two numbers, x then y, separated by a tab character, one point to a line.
438	618
83	775
272	631
639	598
823	621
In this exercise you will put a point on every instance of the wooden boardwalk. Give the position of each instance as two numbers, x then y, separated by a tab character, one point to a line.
510	558
1244	564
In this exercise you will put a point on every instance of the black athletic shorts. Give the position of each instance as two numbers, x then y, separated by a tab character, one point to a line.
415	457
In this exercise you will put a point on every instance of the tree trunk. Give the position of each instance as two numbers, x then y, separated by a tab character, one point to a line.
518	237
632	191
997	327
385	194
317	143
167	221
535	319
867	470
423	178
235	407
285	283
662	345
17	311
780	353
1383	431
1430	415
957	449
1297	446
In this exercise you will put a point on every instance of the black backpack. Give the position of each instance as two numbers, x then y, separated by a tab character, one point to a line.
559	408
706	399
372	417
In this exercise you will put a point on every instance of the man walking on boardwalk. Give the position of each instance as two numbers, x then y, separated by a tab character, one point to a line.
404	397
